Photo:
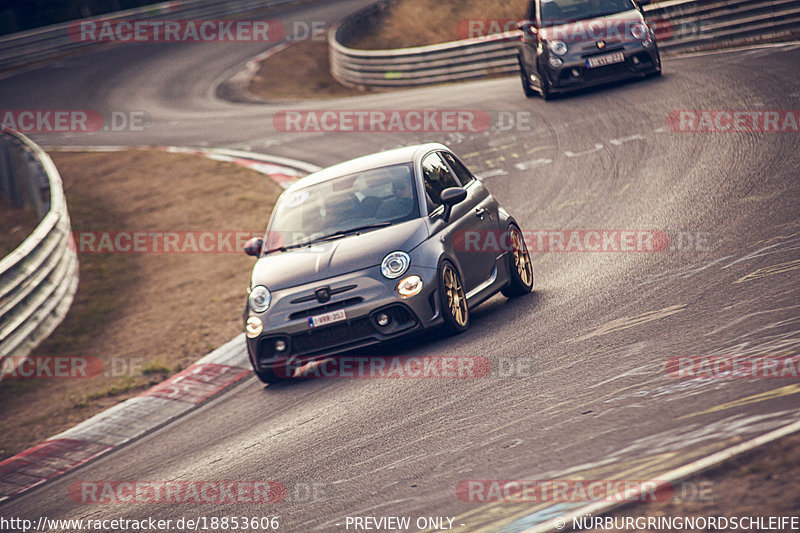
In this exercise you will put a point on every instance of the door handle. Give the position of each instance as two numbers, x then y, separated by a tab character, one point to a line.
480	212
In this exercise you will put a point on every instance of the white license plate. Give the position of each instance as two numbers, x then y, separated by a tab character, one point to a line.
608	59
327	318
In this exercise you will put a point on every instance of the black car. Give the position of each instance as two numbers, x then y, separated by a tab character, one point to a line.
570	44
373	249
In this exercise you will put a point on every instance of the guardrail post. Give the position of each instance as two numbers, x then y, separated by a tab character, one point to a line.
8	177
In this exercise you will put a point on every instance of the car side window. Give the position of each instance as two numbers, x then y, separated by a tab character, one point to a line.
437	178
458	168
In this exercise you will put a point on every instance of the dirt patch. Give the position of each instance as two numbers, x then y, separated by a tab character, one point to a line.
310	74
761	483
443	22
17	224
147	315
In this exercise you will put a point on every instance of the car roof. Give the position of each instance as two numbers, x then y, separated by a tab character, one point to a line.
407	154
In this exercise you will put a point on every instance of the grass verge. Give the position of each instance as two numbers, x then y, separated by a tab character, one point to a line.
760	483
148	315
311	74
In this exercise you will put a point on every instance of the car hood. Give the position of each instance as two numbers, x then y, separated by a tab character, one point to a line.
612	27
281	270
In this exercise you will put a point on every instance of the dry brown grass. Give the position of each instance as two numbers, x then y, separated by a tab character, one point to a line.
421	22
311	74
160	312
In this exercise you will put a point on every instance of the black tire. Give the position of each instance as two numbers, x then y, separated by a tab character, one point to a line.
272	374
526	84
547	95
520	265
455	310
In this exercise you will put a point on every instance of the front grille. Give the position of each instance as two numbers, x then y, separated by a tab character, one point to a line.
333	292
332	336
327	308
607	71
594	51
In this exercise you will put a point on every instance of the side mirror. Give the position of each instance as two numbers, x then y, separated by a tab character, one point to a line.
451	197
254	246
529	30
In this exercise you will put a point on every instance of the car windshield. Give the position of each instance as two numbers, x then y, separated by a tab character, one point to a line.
341	206
556	12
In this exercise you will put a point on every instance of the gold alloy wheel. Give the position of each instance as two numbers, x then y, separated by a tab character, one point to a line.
521	258
456	300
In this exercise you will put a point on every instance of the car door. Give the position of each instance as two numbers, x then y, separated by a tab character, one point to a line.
476	264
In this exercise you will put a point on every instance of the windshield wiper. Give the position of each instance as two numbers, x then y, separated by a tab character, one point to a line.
333	236
358	229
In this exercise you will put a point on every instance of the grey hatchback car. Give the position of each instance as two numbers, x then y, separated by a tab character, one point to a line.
373	249
570	44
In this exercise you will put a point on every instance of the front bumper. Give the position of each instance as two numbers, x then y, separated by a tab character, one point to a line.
362	295
575	74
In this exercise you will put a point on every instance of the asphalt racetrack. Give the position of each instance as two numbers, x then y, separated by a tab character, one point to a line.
579	383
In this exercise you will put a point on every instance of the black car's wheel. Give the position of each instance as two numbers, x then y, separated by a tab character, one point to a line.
526	84
521	268
273	373
545	91
455	310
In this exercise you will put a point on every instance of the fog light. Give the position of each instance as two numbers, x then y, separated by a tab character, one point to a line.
280	346
635	60
575	73
647	43
383	320
254	327
555	62
410	286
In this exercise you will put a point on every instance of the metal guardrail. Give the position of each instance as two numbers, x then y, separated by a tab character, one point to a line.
45	43
681	25
39	278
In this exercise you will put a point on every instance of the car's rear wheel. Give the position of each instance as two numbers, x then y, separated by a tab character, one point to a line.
455	310
526	84
520	266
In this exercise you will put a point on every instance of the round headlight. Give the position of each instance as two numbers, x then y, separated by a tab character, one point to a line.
395	264
640	32
259	299
410	286
559	48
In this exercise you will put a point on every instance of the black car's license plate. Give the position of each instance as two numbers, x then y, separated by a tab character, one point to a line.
601	61
327	318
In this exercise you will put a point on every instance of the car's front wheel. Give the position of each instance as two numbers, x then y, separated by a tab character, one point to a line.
455	310
526	84
275	373
521	268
